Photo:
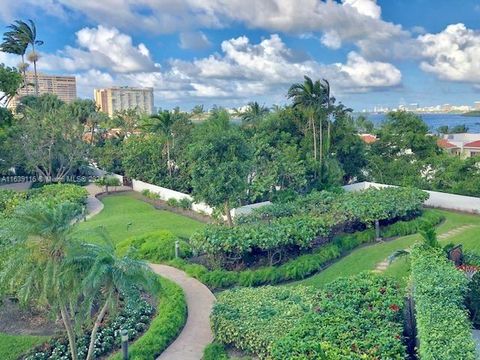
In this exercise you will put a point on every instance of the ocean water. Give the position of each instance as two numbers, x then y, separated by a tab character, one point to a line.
434	121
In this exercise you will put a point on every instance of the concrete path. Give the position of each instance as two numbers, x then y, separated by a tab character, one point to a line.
196	334
23	186
94	206
383	265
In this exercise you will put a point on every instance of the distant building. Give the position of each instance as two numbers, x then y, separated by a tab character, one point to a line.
464	145
111	100
476	105
368	138
65	87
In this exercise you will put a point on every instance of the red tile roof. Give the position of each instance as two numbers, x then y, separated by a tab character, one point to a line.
368	139
473	144
444	144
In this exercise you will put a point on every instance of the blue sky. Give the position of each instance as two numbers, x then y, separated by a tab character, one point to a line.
375	53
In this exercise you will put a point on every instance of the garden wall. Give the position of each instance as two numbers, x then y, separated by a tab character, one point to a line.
436	200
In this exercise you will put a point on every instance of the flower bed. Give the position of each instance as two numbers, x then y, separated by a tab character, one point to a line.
352	318
304	265
439	289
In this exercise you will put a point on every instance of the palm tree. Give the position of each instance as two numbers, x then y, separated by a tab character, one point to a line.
111	277
162	123
26	34
312	97
12	45
43	241
253	113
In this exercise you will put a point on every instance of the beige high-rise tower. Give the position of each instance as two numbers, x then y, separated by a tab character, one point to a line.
114	99
65	87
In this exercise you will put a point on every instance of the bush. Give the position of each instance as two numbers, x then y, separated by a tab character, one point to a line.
439	289
9	200
157	246
58	193
352	318
215	351
300	267
173	202
185	203
151	195
301	223
164	328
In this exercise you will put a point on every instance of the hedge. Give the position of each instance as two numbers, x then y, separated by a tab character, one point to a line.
156	246
215	351
439	289
301	223
352	318
304	265
164	328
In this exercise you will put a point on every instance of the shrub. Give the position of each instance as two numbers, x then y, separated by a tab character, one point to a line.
157	246
173	202
300	267
185	203
151	195
9	200
299	224
215	351
57	193
352	318
439	289
164	328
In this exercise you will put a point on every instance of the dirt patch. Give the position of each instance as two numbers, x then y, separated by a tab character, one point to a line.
16	320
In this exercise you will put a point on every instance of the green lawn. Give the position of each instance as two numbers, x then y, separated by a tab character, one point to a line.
13	346
124	216
367	257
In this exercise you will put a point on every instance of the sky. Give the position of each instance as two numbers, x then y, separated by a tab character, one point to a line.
231	52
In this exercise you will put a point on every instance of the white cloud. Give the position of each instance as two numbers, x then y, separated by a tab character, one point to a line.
331	39
365	7
104	48
196	40
452	54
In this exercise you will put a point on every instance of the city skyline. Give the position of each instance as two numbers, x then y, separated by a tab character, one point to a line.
374	53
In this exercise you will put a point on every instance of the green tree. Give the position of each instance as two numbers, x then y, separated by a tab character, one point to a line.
220	167
10	82
12	45
107	182
363	125
26	33
109	278
253	113
39	266
49	143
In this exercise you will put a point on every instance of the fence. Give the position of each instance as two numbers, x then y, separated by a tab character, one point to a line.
436	200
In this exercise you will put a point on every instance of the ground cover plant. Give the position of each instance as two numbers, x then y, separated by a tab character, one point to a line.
352	318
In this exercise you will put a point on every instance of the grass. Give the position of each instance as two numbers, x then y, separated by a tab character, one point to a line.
366	258
13	346
124	216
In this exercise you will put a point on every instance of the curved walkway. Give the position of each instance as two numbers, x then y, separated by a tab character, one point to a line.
196	334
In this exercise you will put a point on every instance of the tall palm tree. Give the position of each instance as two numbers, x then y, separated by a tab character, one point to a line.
312	97
26	33
43	241
253	113
110	277
162	123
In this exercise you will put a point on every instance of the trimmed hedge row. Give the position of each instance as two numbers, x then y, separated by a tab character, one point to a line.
215	351
352	318
164	328
439	289
306	220
304	265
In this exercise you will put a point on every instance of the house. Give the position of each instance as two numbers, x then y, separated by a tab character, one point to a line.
464	145
368	138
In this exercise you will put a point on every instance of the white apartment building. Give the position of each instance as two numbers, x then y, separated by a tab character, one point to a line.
111	100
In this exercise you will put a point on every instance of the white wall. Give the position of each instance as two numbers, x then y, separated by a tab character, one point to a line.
436	200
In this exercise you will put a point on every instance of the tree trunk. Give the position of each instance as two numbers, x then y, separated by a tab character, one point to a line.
314	130
377	231
67	322
97	324
228	214
35	70
321	148
168	159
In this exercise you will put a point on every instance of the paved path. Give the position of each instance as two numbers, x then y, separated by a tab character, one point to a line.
383	265
94	206
196	334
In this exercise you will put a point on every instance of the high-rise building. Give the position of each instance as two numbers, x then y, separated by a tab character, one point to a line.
477	105
115	99
65	87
